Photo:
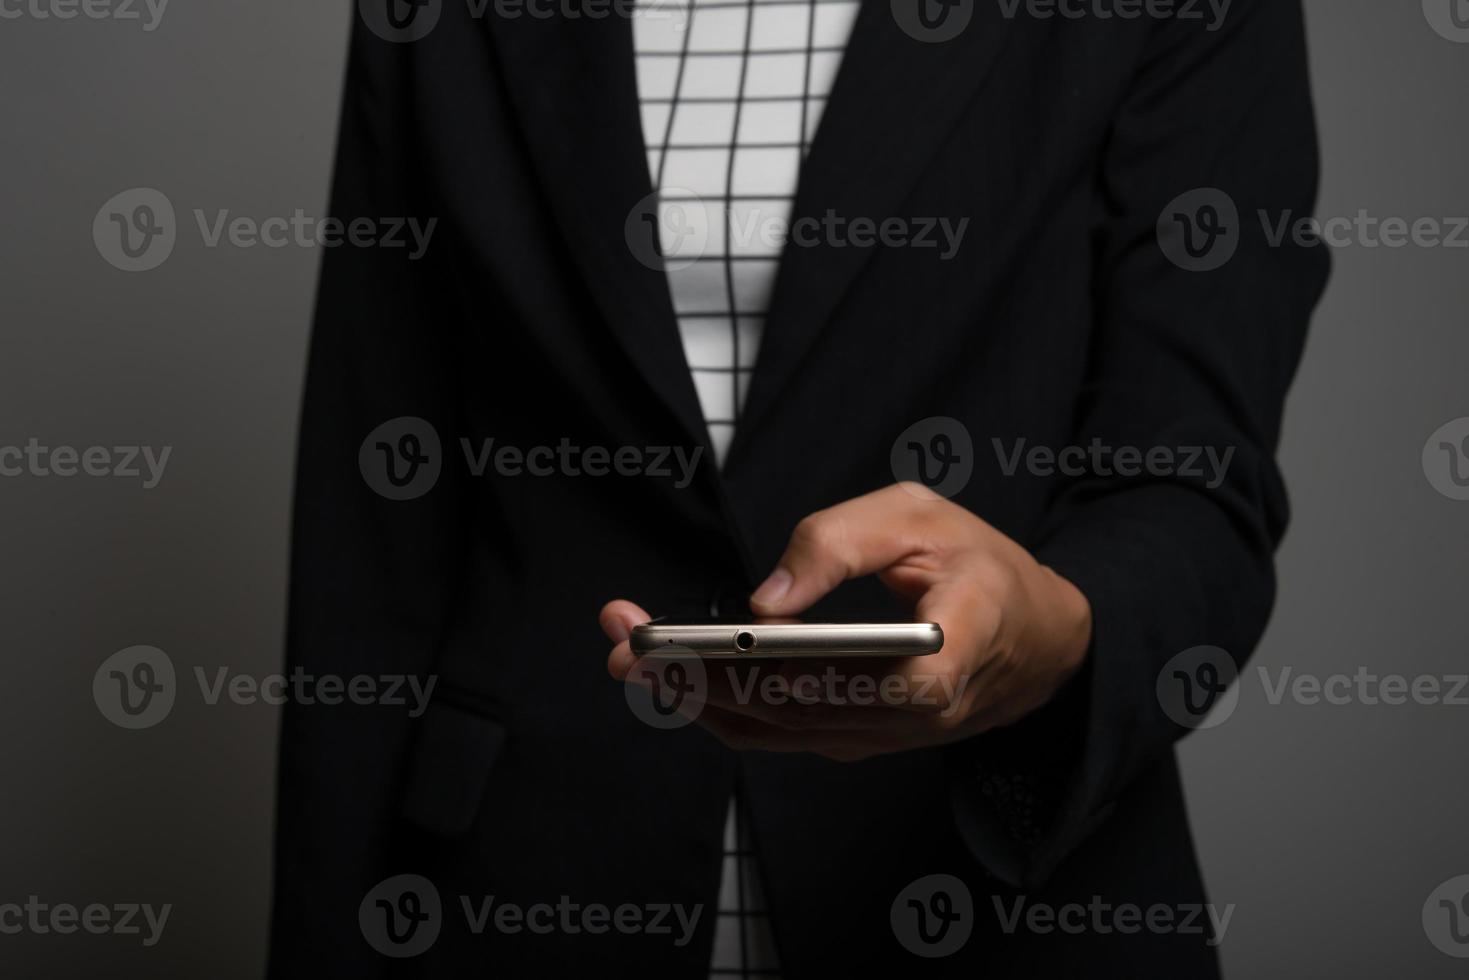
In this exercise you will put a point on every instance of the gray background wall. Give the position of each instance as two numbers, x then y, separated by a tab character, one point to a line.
1327	826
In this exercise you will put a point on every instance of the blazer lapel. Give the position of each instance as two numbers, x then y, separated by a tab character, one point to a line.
573	86
894	100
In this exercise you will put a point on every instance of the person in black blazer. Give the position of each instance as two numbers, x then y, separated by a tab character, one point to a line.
1079	311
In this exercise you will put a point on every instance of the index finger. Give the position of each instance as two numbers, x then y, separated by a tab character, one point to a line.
854	538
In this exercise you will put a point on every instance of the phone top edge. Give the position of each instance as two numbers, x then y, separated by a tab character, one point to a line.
756	640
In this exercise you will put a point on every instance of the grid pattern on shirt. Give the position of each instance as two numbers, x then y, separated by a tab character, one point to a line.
731	92
743	943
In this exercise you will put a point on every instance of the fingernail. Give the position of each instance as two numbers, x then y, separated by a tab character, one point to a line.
773	589
618	631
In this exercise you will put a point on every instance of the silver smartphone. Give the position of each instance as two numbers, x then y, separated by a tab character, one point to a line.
776	639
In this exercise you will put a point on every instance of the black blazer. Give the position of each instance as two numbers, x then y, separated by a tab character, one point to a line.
531	320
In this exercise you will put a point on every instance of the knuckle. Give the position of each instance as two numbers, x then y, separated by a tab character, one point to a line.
997	578
917	491
808	530
985	622
984	569
821	533
930	519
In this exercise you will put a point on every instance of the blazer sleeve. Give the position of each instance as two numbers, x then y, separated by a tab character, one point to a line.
1180	358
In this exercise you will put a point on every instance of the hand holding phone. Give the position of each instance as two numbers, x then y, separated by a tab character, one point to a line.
1014	631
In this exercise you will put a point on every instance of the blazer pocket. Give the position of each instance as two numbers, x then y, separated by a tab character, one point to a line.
449	768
